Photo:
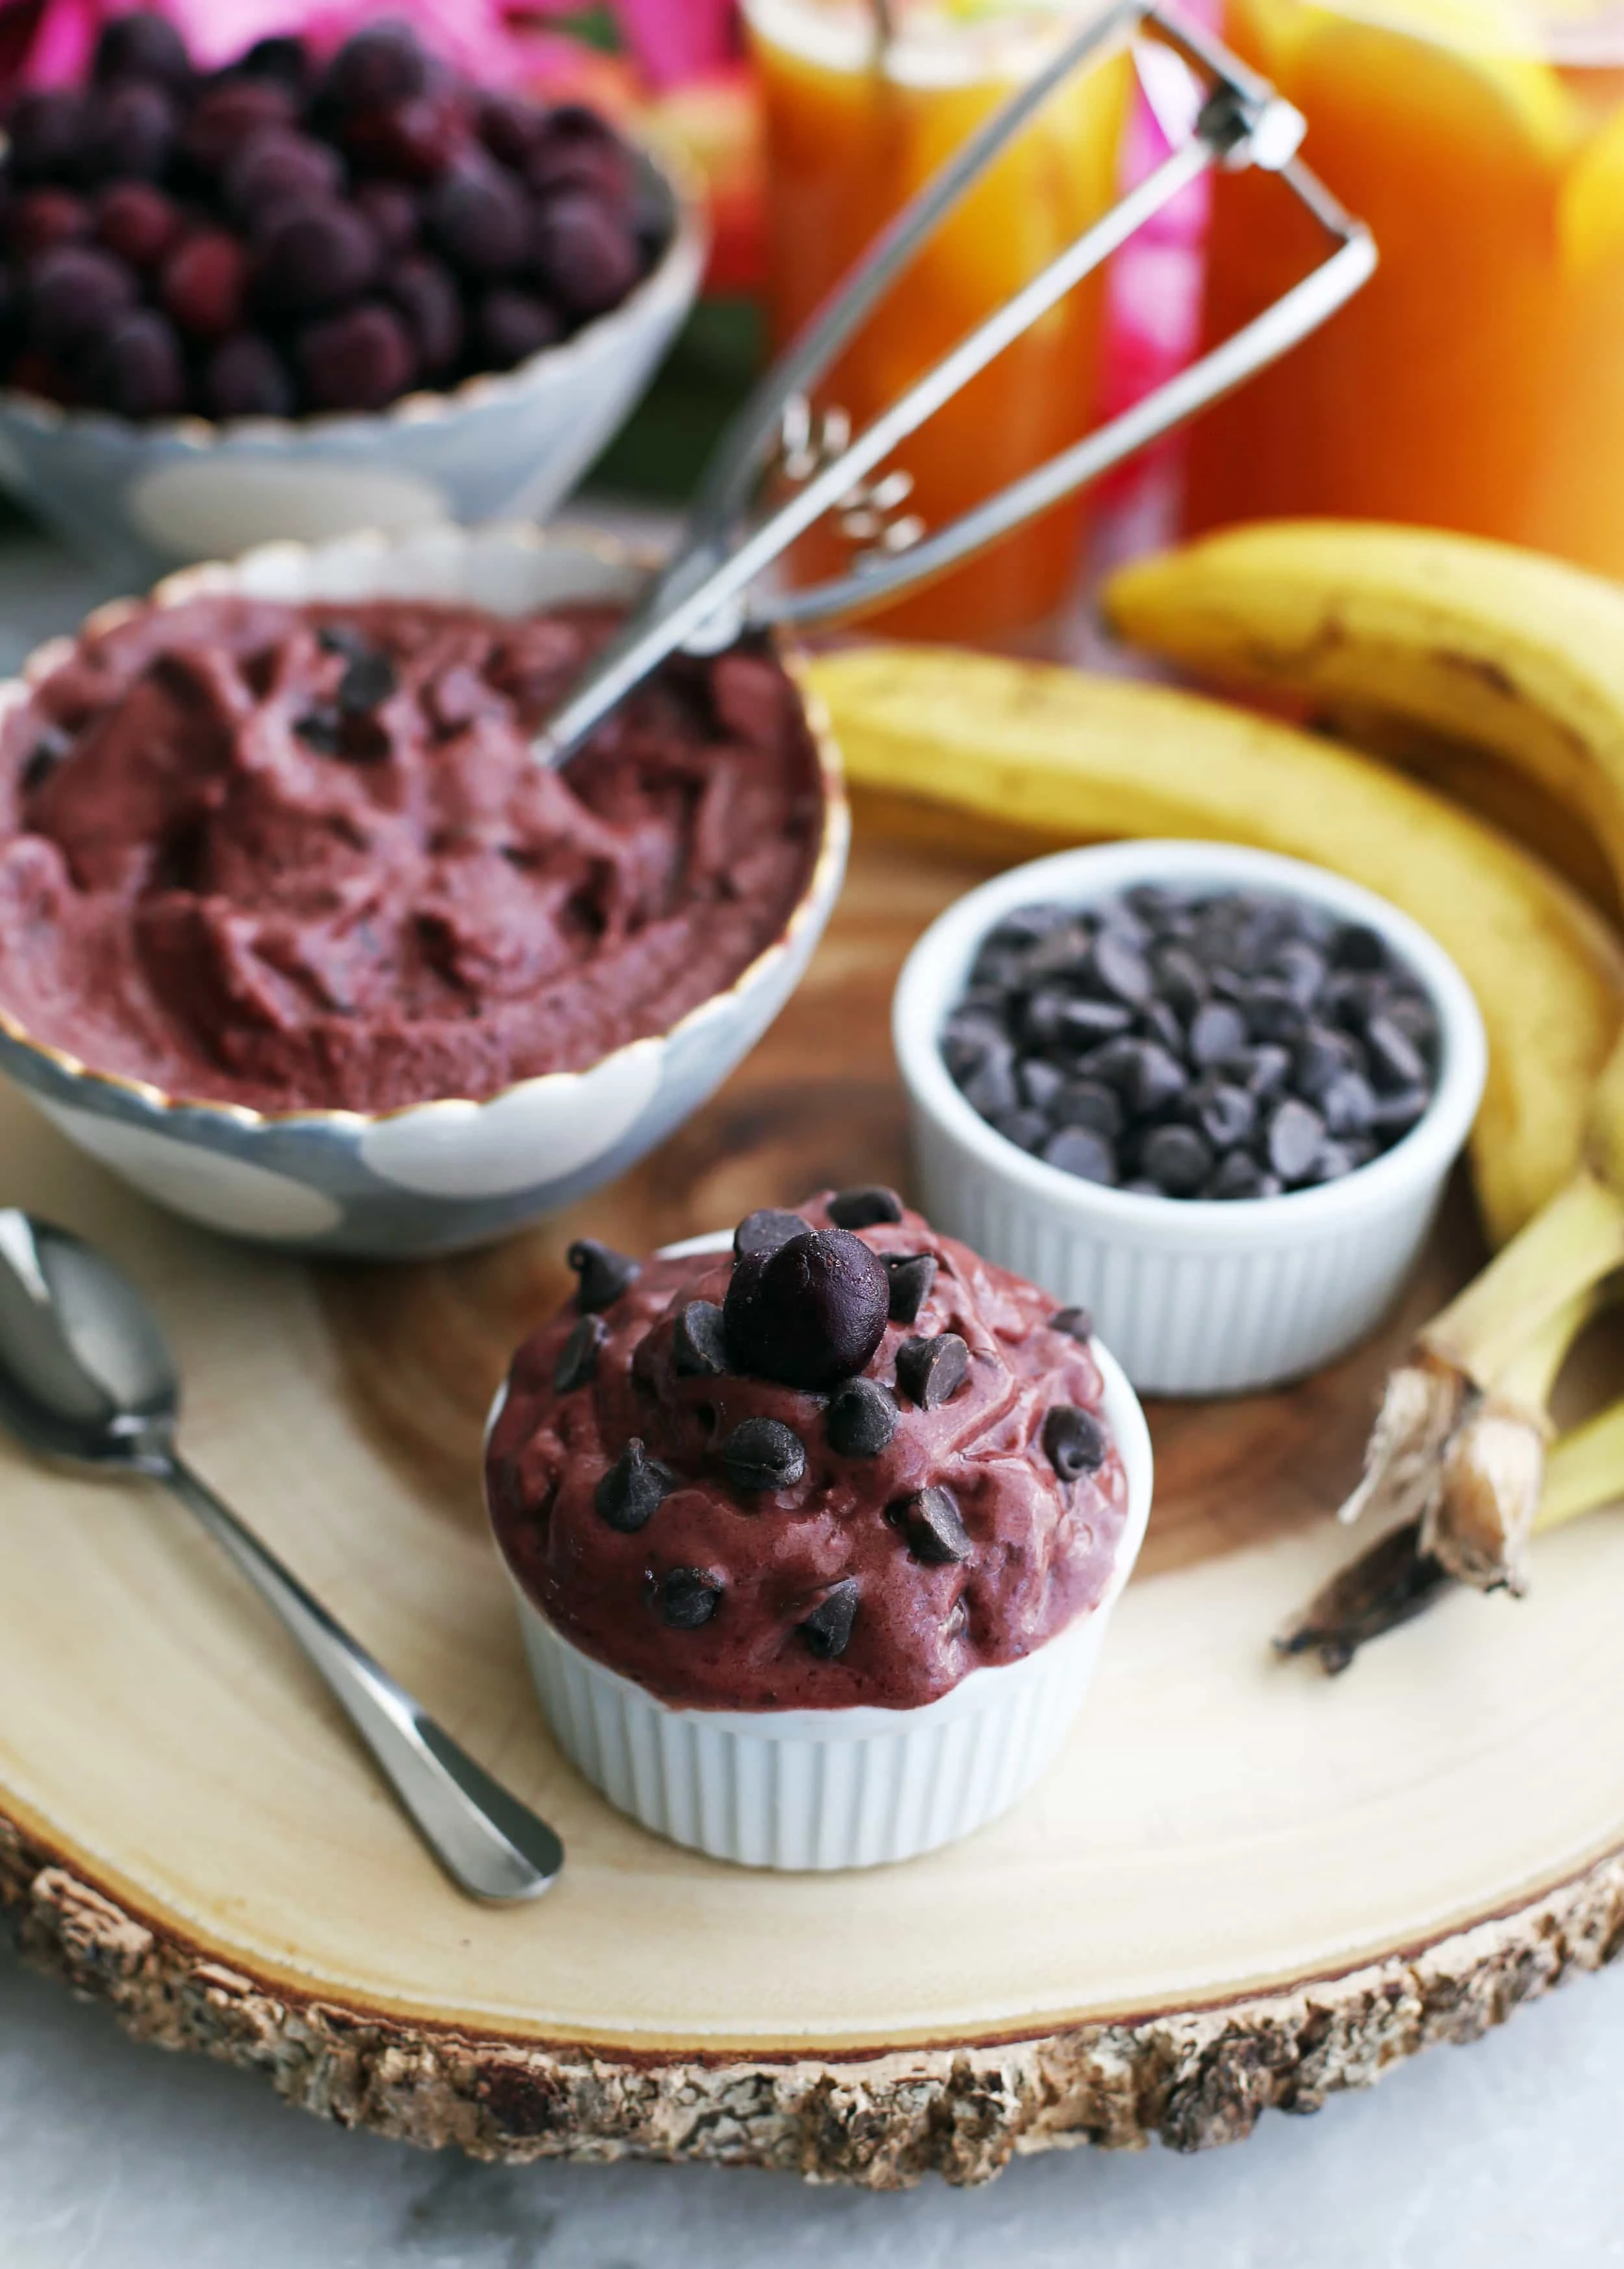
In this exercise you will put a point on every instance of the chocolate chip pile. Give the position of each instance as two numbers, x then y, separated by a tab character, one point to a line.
281	236
1229	1045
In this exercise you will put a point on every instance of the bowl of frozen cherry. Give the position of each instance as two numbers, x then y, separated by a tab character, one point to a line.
304	294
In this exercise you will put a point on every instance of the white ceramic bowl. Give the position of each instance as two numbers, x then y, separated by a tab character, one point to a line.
436	1176
138	497
1197	1298
835	1788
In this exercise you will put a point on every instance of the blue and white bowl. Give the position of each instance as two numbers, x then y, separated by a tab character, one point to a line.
137	499
435	1175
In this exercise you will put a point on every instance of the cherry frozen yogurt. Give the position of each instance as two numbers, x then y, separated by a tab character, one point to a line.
848	1463
301	857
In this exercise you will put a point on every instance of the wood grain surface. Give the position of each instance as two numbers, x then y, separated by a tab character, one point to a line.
1243	1885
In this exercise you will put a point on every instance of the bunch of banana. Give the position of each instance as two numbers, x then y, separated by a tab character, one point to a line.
1479	648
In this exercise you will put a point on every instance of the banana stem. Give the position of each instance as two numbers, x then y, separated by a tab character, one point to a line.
1570	1246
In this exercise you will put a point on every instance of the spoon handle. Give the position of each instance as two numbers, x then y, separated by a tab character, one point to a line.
483	1838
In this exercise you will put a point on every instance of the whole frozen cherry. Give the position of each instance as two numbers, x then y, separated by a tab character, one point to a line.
383	64
142	44
583	252
42	218
809	1313
421	288
136	367
202	283
316	257
511	325
479	218
73	291
135	221
245	377
359	360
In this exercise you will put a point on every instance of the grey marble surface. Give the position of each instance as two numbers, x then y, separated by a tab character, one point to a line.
115	2156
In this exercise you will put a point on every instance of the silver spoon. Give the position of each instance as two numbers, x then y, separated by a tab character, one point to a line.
86	1375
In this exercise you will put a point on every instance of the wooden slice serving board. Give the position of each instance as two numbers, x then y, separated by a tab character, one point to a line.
1243	1885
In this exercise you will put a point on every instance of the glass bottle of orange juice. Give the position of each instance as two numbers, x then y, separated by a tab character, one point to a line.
863	103
1478	381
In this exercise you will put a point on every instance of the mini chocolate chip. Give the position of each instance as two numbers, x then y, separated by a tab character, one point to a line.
634	1489
1217	1030
368	679
1395	1060
930	1371
810	1313
689	1597
320	730
699	1344
912	1275
1294	1134
1076	1323
763	1453
577	1358
604	1273
43	758
932	1525
1074	1441
766	1229
339	638
1177	1159
828	1628
864	1209
1078	1150
861	1420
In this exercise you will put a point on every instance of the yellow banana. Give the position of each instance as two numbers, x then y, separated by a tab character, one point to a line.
1060	753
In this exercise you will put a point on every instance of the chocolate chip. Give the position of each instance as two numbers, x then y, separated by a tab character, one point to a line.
1300	968
43	758
912	1275
763	1453
320	729
1225	1114
689	1597
1262	1071
1355	945
932	1525
968	1037
1085	1023
827	1629
339	638
1239	1177
699	1344
864	1208
634	1489
1295	1134
1335	1159
1395	1060
810	1313
860	1419
1090	1103
1348	1102
1177	1159
991	1088
1162	1026
1076	1323
1120	969
1074	1442
1272	1011
1321	1055
930	1371
1077	1150
765	1231
1040	1083
1414	1018
368	680
1216	1030
1181	977
1396	1113
604	1273
1029	1129
577	1358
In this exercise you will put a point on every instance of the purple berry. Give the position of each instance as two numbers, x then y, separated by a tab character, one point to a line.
279	164
477	215
74	292
578	150
203	282
510	128
316	257
245	377
47	132
391	212
583	253
416	140
512	325
137	369
130	132
383	64
142	46
423	289
360	360
282	56
135	221
230	115
44	218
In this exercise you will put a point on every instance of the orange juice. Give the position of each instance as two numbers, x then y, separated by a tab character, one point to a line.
1478	381
854	128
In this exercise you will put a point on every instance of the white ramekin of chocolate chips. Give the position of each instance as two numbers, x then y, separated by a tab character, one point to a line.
1210	1093
310	293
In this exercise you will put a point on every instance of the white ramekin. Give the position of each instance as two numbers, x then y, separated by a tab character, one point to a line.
1196	1297
825	1789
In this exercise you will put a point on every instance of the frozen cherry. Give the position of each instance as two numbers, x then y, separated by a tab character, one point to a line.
142	46
245	377
201	284
811	1313
575	149
135	221
74	292
228	117
316	257
382	64
512	325
130	132
46	216
583	253
510	128
479	218
359	360
390	212
46	132
279	164
136	368
422	289
281	56
416	139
